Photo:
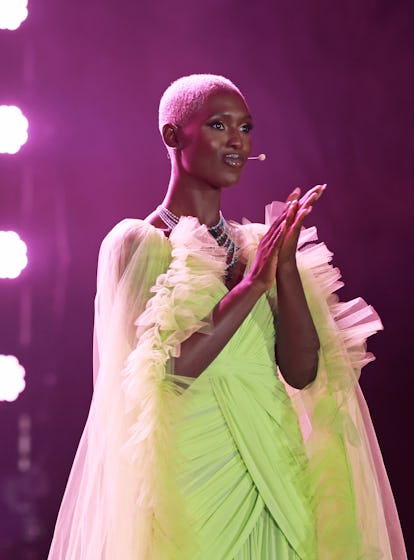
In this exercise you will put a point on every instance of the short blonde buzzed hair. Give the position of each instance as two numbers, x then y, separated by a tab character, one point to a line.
185	96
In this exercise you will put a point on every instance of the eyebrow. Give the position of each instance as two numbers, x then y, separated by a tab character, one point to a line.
227	114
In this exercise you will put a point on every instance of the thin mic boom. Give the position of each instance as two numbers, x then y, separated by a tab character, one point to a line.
260	157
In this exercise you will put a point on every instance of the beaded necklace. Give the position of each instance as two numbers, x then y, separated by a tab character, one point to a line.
221	233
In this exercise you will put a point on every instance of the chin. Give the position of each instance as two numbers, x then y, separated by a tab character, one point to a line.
230	180
229	185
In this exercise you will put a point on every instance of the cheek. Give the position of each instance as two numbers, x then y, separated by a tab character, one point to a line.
208	140
204	148
249	145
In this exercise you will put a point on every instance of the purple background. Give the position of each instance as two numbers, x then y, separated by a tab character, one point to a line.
330	88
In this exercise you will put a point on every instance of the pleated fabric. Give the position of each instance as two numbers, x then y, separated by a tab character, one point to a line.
244	468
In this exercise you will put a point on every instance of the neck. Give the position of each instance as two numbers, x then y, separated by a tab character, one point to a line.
187	197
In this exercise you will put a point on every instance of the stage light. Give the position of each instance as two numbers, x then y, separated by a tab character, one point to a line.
13	254
12	13
12	381
13	129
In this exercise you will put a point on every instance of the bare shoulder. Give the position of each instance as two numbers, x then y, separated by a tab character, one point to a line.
155	220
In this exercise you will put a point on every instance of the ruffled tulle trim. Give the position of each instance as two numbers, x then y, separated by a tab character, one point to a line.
183	298
329	405
344	491
131	508
343	473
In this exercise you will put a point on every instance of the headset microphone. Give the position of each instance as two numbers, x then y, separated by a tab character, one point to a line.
260	157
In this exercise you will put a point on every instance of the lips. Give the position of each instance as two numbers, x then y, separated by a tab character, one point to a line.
234	159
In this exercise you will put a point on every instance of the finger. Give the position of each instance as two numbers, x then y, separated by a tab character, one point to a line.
288	223
281	233
291	212
300	217
288	214
281	238
277	221
269	239
294	195
278	233
310	201
292	234
275	232
316	191
312	195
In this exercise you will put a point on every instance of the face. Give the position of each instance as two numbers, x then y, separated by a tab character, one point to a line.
215	143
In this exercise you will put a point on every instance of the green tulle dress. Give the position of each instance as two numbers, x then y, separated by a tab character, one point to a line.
233	465
244	469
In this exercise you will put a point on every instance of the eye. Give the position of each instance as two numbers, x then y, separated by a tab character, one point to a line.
246	128
218	125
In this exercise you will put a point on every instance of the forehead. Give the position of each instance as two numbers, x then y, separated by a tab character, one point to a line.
223	102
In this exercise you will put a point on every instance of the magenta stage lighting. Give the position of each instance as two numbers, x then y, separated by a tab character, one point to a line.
13	129
12	13
13	254
12	381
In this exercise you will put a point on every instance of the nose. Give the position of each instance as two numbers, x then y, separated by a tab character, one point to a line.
235	139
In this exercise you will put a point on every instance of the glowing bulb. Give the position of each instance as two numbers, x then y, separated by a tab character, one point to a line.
12	13
13	129
12	381
13	254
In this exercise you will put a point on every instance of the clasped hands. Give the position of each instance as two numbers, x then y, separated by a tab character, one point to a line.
277	248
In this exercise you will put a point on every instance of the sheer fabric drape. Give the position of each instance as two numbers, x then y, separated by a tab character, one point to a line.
126	495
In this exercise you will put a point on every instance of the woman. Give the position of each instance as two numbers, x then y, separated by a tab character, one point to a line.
194	448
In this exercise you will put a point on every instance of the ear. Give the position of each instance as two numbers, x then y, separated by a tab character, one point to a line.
170	136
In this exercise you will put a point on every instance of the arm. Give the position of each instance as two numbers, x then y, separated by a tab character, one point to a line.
199	350
297	342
